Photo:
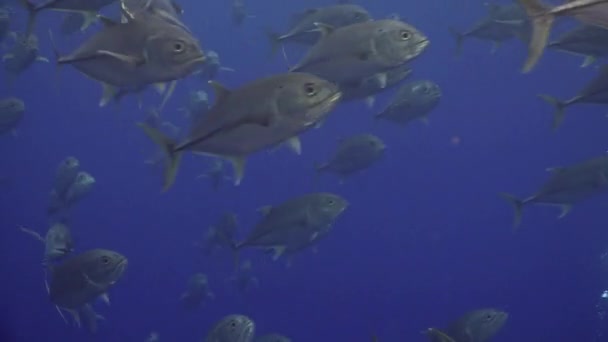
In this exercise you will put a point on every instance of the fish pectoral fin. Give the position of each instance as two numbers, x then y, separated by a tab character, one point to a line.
369	101
8	56
133	60
238	164
91	282
565	210
105	298
382	79
42	59
108	93
314	236
295	145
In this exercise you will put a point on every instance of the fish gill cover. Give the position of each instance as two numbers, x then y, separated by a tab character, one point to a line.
410	183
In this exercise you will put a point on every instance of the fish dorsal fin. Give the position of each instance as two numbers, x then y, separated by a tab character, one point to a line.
221	92
324	29
265	210
107	22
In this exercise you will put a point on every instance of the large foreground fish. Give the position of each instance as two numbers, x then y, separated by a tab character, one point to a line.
593	12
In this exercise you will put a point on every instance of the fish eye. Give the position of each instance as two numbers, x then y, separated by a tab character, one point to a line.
178	47
331	202
105	260
405	35
310	89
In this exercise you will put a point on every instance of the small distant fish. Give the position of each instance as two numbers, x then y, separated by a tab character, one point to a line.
12	110
197	292
413	101
57	242
303	27
596	91
566	186
368	87
302	218
232	328
239	12
213	66
475	326
503	23
80	188
22	55
215	173
354	154
198	105
153	337
65	175
593	12
244	278
220	235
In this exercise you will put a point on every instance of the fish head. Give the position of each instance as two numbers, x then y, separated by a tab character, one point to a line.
174	51
485	323
84	179
305	97
396	42
374	143
427	90
236	328
328	205
213	58
11	107
104	266
69	163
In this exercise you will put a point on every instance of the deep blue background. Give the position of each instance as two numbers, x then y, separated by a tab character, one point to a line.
425	239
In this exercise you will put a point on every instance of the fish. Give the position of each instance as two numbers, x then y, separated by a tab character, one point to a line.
215	173
301	218
213	66
86	8
272	338
244	278
474	326
248	119
593	12
353	155
197	292
127	57
220	235
239	12
565	187
197	107
153	337
65	175
585	40
349	53
80	188
304	31
22	55
412	101
232	328
596	91
81	279
12	110
502	23
57	242
370	86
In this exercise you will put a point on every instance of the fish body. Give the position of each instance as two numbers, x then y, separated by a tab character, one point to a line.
567	186
12	110
232	328
413	101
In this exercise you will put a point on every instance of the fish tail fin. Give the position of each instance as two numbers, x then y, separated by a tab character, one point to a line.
518	206
542	21
275	41
560	106
459	37
168	146
32	12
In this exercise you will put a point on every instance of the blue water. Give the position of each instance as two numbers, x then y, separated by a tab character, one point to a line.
426	237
